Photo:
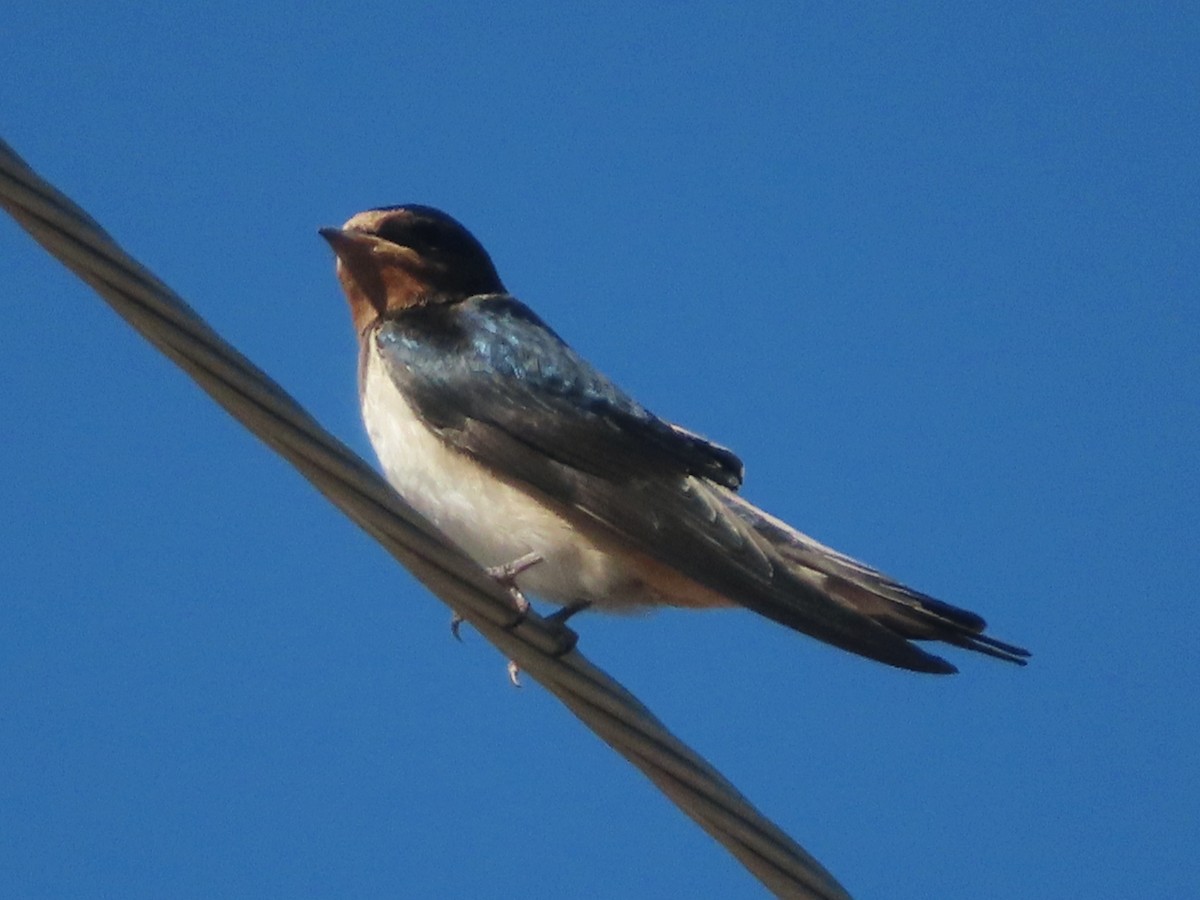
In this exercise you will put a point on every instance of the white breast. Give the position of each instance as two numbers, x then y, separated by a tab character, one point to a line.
493	521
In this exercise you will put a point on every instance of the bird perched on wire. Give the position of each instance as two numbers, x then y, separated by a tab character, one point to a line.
544	471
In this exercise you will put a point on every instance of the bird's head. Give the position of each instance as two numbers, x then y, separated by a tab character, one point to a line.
398	257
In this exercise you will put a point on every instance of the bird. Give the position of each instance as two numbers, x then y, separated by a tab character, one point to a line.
545	472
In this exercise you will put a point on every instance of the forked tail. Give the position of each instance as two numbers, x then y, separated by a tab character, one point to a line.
907	612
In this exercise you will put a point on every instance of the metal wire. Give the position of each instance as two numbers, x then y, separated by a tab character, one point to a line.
543	649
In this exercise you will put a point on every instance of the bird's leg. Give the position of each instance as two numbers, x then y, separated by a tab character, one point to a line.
506	574
560	616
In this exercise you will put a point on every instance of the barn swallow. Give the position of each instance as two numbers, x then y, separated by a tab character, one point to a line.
542	469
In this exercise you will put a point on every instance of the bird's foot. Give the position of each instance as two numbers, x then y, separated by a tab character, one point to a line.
558	619
506	575
560	616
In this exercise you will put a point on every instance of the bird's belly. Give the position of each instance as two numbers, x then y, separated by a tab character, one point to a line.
492	520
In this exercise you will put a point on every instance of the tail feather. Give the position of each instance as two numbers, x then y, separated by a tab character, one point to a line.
990	646
905	611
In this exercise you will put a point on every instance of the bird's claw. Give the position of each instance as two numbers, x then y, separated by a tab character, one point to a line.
506	575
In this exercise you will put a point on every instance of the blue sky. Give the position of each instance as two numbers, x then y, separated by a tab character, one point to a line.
933	274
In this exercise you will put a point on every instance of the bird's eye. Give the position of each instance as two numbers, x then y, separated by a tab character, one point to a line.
426	237
396	231
440	241
423	236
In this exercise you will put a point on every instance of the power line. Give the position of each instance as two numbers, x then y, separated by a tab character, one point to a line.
543	649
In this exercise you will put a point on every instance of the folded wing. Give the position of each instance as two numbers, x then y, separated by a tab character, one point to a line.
495	383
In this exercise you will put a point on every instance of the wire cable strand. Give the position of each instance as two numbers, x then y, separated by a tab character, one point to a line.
543	649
